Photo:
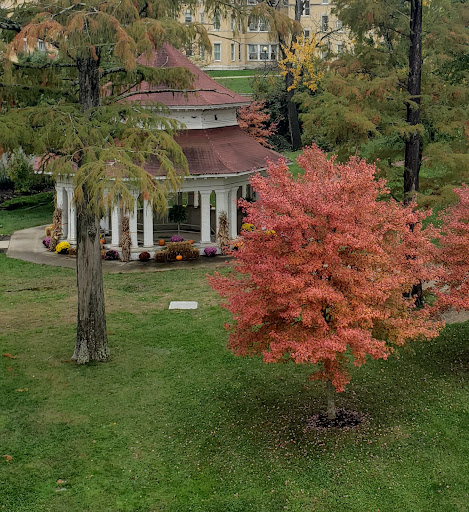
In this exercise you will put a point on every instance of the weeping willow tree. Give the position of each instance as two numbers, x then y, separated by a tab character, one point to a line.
66	105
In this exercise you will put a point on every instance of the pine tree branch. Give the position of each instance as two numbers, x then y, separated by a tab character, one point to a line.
7	24
184	91
45	66
111	70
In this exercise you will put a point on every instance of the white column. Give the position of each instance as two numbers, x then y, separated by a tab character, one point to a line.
104	222
222	204
133	224
115	226
233	212
205	217
196	199
147	224
244	190
62	203
72	218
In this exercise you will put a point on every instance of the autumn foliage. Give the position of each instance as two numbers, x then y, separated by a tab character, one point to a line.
255	121
453	257
325	276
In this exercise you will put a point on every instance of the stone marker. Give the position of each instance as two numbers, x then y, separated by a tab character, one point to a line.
183	305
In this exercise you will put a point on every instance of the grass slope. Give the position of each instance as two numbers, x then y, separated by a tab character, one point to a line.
175	423
32	215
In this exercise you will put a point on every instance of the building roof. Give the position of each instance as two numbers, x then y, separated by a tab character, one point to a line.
210	93
218	151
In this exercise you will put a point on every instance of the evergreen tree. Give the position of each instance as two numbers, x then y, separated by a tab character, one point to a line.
66	105
370	100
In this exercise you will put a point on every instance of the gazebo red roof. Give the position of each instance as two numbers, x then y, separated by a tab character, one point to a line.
210	93
216	151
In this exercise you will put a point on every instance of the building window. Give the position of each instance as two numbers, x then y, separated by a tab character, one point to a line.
216	21
233	52
217	51
202	52
340	48
324	23
188	16
233	22
306	10
325	2
285	3
339	25
41	45
202	18
258	25
262	52
252	2
239	51
307	33
188	50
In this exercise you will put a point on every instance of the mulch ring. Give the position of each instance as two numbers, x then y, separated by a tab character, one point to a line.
344	420
4	237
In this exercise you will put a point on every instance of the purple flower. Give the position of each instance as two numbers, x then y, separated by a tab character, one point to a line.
46	241
111	255
177	238
210	251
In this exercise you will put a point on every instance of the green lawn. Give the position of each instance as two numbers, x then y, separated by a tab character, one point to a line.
174	422
33	215
238	85
234	72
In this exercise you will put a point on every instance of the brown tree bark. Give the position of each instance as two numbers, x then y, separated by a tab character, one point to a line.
413	145
91	342
331	409
292	108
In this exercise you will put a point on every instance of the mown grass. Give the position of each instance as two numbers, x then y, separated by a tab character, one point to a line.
237	85
174	422
26	217
234	72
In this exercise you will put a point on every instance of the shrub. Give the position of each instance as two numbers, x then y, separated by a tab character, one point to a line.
111	255
177	238
46	241
144	256
185	249
210	251
62	248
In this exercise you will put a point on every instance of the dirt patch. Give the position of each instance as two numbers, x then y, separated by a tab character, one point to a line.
344	420
4	237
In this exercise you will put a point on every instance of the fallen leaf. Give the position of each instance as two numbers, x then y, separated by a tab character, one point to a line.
9	356
60	481
8	458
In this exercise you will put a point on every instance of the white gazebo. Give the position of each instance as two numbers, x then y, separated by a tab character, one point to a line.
220	155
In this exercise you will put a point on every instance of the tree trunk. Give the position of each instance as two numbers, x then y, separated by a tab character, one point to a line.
292	108
292	113
91	343
413	145
331	392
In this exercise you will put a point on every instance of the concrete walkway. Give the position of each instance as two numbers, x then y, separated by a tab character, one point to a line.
27	245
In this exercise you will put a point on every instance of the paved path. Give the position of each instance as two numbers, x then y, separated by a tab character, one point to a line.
27	245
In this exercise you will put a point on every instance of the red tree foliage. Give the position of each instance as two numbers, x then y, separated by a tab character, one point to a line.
453	292
322	278
253	120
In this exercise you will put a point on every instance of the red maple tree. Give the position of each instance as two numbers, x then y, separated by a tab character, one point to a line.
253	120
324	278
453	257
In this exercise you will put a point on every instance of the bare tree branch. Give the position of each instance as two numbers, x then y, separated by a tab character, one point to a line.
7	24
183	91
